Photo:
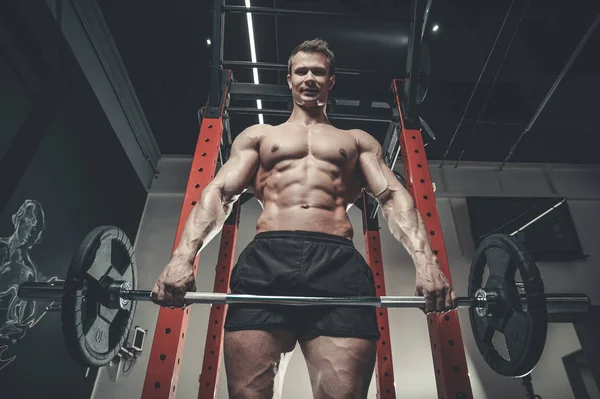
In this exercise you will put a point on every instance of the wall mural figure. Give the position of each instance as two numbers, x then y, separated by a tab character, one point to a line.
17	267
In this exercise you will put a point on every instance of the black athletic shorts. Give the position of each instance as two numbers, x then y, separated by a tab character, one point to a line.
301	263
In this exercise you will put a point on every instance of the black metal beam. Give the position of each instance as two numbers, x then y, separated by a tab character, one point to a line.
425	18
252	91
283	67
272	92
214	100
508	16
550	93
417	13
281	11
282	112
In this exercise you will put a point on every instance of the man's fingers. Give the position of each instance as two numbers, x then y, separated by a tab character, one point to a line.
174	296
430	302
440	300
448	301
158	294
452	298
418	291
165	295
179	297
169	295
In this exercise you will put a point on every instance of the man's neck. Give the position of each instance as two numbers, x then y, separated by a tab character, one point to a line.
308	115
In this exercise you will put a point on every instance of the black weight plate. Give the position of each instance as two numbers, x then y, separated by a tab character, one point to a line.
524	329
94	333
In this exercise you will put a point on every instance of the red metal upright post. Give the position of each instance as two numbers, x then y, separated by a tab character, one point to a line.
211	363
169	337
447	346
385	366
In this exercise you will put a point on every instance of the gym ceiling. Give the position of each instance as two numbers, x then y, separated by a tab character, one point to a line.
165	50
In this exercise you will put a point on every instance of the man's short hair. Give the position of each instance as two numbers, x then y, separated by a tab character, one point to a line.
314	46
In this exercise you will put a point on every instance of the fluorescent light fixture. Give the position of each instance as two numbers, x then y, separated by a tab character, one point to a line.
435	28
253	58
537	218
261	119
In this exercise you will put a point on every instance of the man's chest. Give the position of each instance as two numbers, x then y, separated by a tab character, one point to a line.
329	145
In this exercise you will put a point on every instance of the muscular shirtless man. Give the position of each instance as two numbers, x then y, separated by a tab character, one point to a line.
305	173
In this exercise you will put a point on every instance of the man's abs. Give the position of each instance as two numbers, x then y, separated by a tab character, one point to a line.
307	218
307	177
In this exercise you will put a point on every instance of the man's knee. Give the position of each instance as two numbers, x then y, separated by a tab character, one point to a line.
252	360
343	372
341	388
250	383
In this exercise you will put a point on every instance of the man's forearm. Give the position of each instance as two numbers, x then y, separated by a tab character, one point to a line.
407	226
204	222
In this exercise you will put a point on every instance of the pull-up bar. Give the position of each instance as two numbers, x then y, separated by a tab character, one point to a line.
280	11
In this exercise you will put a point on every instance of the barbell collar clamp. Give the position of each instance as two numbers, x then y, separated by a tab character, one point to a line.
115	297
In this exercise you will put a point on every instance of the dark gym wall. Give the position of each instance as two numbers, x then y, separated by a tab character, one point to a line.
58	149
15	103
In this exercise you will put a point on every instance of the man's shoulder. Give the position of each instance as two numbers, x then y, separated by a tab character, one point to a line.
256	130
253	134
364	140
359	133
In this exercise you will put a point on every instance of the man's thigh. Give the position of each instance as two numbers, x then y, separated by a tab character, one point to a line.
252	359
340	367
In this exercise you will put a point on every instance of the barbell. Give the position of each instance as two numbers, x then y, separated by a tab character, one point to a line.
99	297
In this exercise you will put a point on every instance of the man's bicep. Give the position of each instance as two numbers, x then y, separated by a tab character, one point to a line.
379	180
376	175
386	185
237	172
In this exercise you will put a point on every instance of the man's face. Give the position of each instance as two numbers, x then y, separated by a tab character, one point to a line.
310	81
25	224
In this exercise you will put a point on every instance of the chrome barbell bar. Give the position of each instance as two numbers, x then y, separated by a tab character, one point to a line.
381	301
560	307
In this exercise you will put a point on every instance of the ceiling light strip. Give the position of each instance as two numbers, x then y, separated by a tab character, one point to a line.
253	57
